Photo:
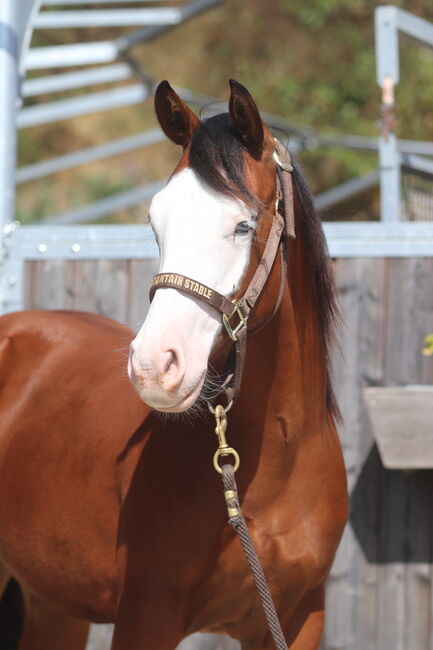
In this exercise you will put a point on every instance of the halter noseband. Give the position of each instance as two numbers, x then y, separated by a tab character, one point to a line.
235	312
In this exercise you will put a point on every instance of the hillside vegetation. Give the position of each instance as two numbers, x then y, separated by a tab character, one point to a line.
312	62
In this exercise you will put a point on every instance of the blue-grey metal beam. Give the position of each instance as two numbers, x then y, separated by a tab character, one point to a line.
107	18
108	205
357	239
188	11
416	28
91	154
386	41
390	179
65	3
63	56
55	83
64	109
9	61
376	239
389	22
418	147
387	75
419	164
364	143
85	242
346	190
14	38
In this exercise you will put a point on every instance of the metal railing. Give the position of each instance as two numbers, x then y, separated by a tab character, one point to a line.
390	22
103	62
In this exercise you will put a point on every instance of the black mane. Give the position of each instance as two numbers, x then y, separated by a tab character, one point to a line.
217	157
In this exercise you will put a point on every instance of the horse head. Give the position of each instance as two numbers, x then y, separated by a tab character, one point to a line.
211	222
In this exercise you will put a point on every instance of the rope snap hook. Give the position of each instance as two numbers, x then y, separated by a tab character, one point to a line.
223	447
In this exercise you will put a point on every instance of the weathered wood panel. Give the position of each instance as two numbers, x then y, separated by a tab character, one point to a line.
380	589
402	421
351	621
116	288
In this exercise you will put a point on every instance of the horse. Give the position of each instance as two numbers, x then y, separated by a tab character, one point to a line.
110	510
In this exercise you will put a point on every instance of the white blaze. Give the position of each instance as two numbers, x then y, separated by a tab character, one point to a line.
195	228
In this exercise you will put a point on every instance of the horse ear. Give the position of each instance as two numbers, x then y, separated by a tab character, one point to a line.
176	119
246	118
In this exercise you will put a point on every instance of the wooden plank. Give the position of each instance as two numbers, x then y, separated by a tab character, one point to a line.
417	626
391	572
391	614
425	304
50	285
415	304
30	270
410	319
430	559
141	273
99	286
370	279
351	590
111	288
85	286
402	420
406	293
339	596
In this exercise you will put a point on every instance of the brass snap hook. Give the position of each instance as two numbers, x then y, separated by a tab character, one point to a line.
223	447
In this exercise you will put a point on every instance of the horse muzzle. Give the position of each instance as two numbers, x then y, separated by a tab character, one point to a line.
161	379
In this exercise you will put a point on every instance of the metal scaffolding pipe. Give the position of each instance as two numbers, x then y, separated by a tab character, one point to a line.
65	3
9	63
108	205
193	8
62	56
64	109
89	155
107	18
55	83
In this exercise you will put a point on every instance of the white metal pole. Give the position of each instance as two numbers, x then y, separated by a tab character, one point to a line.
15	33
9	64
387	72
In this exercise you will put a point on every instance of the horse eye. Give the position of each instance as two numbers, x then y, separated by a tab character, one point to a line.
243	228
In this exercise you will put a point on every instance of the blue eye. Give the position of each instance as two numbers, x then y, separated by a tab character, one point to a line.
243	228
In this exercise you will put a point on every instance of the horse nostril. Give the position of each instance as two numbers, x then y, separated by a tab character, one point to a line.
171	361
172	370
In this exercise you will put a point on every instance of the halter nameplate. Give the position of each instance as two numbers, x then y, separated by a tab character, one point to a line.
194	288
181	282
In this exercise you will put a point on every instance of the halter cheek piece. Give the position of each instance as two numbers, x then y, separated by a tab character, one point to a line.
235	312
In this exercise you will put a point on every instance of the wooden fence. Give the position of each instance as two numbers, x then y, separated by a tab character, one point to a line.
380	594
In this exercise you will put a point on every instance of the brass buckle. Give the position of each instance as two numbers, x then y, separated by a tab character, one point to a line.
233	331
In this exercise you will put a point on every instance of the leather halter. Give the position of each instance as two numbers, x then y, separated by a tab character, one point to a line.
235	312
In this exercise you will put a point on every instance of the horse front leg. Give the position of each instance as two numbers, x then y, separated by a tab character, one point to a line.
48	629
146	624
4	578
302	626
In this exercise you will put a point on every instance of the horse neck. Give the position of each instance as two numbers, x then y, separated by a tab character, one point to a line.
283	400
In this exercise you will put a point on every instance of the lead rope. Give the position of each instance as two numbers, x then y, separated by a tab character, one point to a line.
237	520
